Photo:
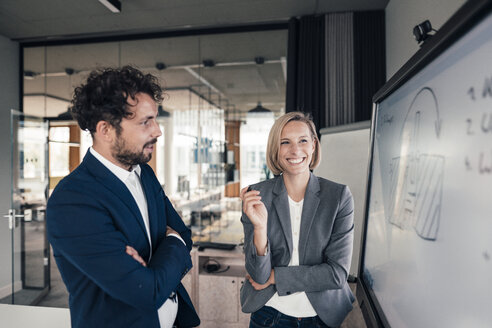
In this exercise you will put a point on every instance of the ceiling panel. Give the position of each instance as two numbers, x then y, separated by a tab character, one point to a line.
175	78
233	47
171	51
247	79
22	19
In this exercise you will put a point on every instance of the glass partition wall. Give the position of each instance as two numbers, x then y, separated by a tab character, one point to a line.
210	82
25	276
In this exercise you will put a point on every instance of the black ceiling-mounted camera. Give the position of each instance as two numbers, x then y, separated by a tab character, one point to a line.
421	31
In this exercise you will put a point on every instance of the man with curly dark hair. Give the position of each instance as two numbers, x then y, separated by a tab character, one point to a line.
120	246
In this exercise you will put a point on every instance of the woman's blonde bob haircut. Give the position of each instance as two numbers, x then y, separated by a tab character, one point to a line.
273	145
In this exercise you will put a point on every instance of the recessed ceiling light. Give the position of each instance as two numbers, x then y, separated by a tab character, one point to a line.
113	5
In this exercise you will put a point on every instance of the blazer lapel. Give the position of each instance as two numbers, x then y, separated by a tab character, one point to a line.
309	208
151	206
114	185
281	203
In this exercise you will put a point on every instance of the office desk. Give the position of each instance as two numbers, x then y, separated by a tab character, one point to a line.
216	295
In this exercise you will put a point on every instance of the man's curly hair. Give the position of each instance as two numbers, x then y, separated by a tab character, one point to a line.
104	96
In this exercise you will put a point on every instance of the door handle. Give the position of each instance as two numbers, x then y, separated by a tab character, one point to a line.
12	218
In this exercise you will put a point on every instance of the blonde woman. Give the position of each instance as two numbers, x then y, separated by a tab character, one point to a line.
298	233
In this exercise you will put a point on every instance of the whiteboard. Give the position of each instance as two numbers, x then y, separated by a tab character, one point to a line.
344	159
428	248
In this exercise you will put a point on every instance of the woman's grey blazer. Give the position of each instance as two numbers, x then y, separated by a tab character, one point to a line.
325	248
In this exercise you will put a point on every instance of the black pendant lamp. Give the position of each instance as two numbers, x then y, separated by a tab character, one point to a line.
161	112
259	109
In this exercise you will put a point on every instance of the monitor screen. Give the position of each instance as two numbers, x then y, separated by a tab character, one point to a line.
427	247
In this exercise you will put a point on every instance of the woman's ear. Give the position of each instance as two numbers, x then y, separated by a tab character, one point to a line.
315	144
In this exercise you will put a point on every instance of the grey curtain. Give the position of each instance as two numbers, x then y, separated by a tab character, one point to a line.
339	72
335	63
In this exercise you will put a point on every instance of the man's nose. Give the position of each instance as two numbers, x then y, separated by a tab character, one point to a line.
157	130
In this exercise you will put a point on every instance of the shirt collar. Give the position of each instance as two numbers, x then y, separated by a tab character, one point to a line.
121	173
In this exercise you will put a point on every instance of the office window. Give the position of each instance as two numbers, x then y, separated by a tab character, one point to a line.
59	151
210	83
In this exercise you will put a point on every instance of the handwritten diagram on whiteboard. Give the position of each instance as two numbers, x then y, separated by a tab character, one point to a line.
416	178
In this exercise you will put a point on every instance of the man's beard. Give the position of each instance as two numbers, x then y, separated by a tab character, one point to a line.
128	157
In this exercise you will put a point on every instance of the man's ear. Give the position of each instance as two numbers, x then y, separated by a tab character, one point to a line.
105	131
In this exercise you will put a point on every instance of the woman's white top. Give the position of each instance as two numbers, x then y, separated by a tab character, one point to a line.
296	304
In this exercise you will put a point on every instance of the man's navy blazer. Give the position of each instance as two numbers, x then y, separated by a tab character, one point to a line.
91	218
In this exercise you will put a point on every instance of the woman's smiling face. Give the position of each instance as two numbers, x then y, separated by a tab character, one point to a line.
296	148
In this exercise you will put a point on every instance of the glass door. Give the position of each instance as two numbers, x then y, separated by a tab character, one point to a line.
29	260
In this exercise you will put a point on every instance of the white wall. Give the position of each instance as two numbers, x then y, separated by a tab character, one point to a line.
344	159
9	98
402	16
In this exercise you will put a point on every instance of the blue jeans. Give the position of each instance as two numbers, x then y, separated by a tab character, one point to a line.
269	317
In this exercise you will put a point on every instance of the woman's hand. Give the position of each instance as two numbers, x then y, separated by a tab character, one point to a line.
257	286
254	208
258	215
